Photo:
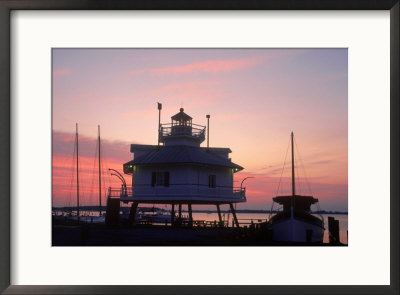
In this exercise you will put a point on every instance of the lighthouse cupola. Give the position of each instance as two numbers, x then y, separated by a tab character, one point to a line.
181	131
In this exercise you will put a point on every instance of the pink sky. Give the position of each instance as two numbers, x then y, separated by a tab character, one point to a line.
255	97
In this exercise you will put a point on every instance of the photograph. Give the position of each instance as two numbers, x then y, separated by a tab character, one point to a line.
237	143
199	147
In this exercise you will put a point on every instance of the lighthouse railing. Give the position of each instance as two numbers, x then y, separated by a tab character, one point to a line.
193	130
180	190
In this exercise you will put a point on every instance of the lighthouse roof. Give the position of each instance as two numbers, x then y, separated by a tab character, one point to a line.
181	116
182	155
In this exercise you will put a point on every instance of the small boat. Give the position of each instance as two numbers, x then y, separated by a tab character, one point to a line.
295	223
153	215
156	217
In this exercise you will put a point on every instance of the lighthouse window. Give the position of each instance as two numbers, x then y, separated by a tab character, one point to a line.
160	179
212	181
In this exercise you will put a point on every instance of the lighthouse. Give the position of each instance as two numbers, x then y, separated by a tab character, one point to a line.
178	171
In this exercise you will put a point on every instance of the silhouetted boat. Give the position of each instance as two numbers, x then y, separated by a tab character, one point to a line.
295	223
78	216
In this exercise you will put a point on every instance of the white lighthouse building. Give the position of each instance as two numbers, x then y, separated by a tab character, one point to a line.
178	171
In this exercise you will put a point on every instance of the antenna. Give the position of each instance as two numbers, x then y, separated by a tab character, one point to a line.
77	172
293	179
159	122
208	131
98	133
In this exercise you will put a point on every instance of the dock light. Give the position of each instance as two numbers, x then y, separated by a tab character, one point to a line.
241	184
119	175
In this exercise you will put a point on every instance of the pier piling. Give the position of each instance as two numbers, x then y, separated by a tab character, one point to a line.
113	207
333	228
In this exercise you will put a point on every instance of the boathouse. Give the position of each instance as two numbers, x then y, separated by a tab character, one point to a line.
180	172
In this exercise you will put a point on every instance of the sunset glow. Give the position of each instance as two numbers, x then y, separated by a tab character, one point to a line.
255	97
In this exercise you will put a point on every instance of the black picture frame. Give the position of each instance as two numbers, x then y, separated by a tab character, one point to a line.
6	6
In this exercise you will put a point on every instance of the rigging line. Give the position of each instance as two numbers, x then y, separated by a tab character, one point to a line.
270	211
304	170
103	175
106	177
299	183
73	174
71	178
63	185
283	168
302	166
93	178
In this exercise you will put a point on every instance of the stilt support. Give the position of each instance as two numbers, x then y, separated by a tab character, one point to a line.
132	213
219	216
172	214
190	215
180	211
234	215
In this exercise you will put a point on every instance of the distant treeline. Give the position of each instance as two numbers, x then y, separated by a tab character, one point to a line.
103	208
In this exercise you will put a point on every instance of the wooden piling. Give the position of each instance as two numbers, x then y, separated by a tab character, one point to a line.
113	207
333	228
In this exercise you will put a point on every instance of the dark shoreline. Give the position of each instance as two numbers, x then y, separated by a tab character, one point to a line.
103	208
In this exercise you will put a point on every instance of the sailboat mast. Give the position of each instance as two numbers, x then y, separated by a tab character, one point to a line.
99	172
293	183
77	172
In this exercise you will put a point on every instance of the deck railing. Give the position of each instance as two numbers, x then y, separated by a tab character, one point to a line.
119	192
179	190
